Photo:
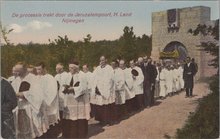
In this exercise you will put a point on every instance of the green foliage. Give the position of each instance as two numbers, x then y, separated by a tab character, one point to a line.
128	46
211	46
204	123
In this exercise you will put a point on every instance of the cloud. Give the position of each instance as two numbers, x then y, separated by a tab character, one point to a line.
16	28
37	25
32	25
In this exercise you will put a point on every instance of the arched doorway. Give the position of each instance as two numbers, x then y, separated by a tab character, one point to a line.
179	47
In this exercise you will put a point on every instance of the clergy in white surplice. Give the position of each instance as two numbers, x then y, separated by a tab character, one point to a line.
103	91
138	79
27	113
175	79
50	106
89	84
163	80
169	80
181	81
119	85
61	80
129	94
75	114
157	83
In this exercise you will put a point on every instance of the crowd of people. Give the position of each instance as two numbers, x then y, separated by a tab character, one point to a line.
43	106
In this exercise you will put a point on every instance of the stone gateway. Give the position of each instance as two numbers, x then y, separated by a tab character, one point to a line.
170	32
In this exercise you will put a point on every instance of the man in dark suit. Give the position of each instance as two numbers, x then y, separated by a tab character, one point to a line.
189	72
8	103
150	74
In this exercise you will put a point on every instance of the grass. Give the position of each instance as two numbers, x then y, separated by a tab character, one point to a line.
204	123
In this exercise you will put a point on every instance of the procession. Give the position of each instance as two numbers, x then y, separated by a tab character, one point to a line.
43	106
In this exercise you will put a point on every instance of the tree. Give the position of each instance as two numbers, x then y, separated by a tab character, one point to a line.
4	33
127	44
210	43
61	41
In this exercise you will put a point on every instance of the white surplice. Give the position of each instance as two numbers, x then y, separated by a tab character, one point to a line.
27	113
138	82
76	105
181	81
163	87
103	80
50	106
119	83
61	78
87	96
129	93
169	81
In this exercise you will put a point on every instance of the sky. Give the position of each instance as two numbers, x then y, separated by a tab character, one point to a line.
14	14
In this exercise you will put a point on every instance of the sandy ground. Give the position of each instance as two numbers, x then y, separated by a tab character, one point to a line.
152	123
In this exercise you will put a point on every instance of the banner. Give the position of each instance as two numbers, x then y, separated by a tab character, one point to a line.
173	54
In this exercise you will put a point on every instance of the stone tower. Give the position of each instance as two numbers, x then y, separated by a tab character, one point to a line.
173	26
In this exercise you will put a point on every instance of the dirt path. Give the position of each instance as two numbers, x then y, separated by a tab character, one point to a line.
155	122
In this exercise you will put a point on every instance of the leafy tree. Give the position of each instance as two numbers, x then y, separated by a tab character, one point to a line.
211	43
128	47
127	44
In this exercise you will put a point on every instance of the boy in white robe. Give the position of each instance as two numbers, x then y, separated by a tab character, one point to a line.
50	106
27	113
75	113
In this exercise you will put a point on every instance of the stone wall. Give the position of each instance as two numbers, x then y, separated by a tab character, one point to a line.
189	18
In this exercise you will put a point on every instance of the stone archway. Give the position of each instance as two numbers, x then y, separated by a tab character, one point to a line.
175	45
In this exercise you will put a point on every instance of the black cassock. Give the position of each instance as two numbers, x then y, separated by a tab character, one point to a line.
188	74
8	103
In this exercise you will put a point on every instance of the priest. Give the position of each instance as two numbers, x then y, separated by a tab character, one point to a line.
103	90
61	78
138	79
119	85
29	98
50	106
75	112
